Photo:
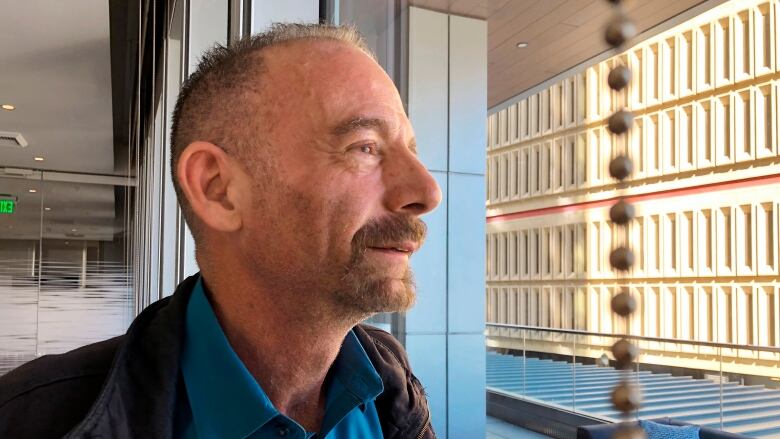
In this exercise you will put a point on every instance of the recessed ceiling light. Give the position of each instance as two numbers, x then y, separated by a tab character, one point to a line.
38	159
32	191
72	230
522	44
8	107
47	208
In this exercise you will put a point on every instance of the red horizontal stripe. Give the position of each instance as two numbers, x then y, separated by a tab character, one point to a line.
710	187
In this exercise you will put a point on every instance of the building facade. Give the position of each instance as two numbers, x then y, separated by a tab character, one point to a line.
705	185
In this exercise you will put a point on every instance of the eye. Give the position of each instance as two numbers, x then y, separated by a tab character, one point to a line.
369	148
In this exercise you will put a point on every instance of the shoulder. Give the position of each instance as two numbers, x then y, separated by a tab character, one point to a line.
49	395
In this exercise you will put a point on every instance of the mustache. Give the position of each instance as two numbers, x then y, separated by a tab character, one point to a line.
389	230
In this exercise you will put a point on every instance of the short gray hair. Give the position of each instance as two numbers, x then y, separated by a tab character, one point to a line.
206	109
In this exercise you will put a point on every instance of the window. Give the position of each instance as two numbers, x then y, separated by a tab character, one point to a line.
725	315
704	144
766	238
546	110
652	68
685	144
744	229
524	116
744	311
743	53
743	145
705	243
704	314
687	244
687	317
558	166
514	178
704	58
652	150
653	247
534	115
723	140
763	39
668	143
546	174
722	52
569	165
637	92
670	244
536	169
525	254
525	172
685	58
503	128
669	74
725	242
765	122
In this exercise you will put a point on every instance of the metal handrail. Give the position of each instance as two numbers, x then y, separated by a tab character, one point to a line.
637	337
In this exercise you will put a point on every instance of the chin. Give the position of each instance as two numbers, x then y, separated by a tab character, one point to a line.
378	295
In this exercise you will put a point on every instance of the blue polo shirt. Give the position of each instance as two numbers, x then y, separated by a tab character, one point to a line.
227	402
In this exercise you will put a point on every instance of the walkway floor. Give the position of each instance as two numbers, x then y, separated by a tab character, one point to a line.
498	429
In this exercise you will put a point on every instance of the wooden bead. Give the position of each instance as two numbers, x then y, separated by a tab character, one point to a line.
621	259
622	212
618	31
619	77
626	397
625	353
620	122
623	304
621	167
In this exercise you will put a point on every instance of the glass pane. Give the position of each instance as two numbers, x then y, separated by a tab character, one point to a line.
85	291
20	227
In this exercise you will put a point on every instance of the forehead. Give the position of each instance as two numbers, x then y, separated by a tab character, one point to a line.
326	81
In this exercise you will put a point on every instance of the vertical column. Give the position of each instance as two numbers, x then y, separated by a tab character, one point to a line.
426	323
447	105
466	227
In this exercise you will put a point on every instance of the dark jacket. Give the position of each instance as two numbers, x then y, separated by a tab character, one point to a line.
131	387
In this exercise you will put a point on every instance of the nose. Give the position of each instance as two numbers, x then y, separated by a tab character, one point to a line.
410	188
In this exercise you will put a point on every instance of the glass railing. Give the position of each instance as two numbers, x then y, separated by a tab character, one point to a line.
731	387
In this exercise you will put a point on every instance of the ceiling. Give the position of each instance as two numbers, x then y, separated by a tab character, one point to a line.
560	34
56	70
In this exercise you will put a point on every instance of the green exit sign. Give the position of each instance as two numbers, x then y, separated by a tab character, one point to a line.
7	206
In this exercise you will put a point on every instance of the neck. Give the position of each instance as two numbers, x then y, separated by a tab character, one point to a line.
287	345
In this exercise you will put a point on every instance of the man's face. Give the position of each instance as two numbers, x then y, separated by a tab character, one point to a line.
338	198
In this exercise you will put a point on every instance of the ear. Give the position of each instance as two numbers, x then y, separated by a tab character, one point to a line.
206	177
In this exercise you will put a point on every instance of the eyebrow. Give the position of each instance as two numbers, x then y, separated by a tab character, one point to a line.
360	122
357	123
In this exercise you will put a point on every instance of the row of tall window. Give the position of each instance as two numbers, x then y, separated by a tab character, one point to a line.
697	57
735	127
739	240
746	314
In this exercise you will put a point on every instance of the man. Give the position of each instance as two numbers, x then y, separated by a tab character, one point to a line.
295	166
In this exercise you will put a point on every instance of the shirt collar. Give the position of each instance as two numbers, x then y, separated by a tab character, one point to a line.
354	382
225	398
227	401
